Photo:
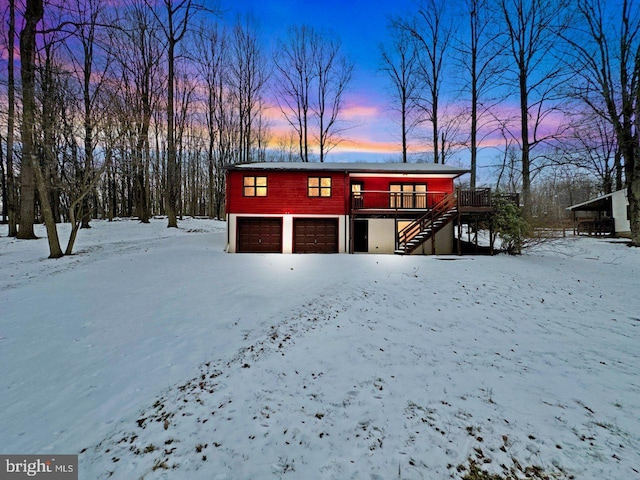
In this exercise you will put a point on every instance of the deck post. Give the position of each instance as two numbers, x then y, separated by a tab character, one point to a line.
458	220
433	235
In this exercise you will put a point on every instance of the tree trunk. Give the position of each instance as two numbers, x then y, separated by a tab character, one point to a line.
526	147
3	179
32	15
11	108
74	230
404	125
43	193
88	124
633	195
617	165
474	115
172	176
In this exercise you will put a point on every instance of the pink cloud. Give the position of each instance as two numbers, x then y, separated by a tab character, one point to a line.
360	112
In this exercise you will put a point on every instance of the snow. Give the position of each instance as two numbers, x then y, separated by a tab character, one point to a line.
154	354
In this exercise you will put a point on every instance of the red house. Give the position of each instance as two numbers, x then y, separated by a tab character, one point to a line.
341	207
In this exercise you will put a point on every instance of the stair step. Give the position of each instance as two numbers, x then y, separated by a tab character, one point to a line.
443	218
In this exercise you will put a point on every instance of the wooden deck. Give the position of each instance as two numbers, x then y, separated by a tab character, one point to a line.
376	202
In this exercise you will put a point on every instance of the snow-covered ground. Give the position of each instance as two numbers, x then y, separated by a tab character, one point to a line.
154	354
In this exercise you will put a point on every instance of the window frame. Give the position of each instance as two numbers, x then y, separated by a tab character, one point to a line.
321	189
255	186
357	197
408	195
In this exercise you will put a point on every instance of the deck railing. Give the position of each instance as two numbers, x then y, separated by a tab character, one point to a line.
478	197
383	200
396	201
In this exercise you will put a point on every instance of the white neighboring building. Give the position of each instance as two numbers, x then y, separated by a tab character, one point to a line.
607	214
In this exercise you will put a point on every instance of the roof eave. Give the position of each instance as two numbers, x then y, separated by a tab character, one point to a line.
380	168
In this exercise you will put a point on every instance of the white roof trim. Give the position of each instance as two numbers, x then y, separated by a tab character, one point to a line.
357	167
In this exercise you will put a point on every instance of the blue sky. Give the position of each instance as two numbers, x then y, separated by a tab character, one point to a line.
361	26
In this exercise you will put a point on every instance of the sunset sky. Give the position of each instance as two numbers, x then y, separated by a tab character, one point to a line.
373	132
362	27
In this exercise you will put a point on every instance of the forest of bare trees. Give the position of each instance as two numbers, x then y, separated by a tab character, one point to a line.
551	85
136	111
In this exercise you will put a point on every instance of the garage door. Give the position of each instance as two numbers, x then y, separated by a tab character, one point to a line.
315	235
259	235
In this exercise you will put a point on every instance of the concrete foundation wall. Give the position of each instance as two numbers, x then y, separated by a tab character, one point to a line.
382	235
382	238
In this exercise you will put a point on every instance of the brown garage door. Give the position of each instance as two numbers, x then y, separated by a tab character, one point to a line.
315	235
259	235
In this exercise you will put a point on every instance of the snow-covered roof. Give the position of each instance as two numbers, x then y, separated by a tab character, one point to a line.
356	167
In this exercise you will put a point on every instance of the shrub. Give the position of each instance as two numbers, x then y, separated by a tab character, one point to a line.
509	225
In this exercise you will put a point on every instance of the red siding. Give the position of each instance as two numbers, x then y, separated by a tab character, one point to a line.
382	183
286	194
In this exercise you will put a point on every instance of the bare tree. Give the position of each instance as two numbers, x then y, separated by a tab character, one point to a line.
65	179
261	132
591	146
33	14
293	63
212	43
608	64
178	15
558	188
286	148
312	78
10	199
247	77
90	70
400	63
533	29
432	32
452	125
333	74
479	53
139	53
184	93
508	173
3	181
56	123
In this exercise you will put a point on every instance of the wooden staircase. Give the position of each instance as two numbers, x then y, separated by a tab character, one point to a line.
425	227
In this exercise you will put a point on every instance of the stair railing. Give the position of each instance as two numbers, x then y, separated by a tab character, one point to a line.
420	224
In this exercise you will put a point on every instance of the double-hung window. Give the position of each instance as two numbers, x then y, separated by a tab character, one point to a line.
254	187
